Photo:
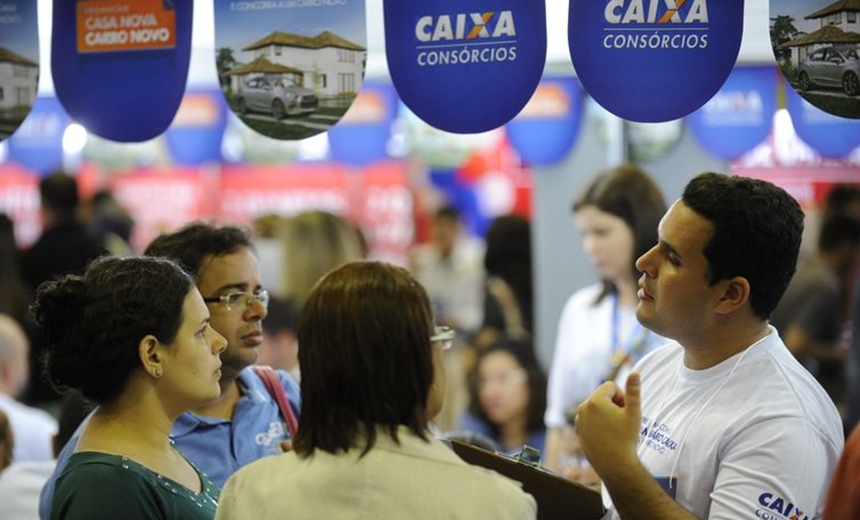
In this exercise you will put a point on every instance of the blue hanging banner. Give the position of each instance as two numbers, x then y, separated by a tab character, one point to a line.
465	66
654	60
195	135
831	136
290	69
544	132
119	66
740	115
19	62
38	143
361	137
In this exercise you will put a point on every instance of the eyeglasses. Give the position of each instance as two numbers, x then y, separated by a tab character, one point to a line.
445	335
235	300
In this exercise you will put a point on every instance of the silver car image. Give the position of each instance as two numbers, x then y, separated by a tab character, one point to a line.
279	97
831	67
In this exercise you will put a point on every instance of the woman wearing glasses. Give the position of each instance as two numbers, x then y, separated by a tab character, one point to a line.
133	336
372	379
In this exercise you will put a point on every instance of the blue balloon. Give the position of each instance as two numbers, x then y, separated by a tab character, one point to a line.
832	136
654	60
463	66
361	137
120	67
38	143
544	132
740	115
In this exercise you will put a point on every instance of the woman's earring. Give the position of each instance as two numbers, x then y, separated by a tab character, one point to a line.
158	372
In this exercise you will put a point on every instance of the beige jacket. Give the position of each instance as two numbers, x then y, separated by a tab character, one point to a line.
416	480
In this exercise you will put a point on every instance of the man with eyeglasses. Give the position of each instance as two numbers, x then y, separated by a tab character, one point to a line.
244	423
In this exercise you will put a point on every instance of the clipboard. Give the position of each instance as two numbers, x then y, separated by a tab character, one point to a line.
556	497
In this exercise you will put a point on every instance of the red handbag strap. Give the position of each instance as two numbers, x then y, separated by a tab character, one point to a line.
273	385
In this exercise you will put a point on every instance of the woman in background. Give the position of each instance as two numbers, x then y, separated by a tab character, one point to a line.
133	336
508	299
599	338
372	379
508	397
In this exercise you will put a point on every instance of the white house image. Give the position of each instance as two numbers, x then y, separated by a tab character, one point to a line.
839	24
326	63
19	79
843	14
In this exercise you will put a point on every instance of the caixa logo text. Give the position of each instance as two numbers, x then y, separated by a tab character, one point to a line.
465	26
659	12
778	508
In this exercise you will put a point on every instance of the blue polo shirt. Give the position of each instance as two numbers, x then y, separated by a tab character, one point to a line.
218	447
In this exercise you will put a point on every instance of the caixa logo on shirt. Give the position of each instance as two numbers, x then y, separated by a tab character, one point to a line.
774	507
276	432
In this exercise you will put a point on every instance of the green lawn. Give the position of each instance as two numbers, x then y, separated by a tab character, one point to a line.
289	127
840	106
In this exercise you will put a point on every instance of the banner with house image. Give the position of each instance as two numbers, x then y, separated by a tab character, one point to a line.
817	45
19	63
290	69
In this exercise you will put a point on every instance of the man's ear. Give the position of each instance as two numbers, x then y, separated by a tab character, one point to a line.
149	351
736	293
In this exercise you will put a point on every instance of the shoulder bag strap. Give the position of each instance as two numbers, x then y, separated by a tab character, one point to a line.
273	385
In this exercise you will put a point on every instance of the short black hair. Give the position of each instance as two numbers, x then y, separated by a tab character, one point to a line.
841	197
366	357
757	228
523	351
94	323
837	230
192	244
281	315
447	212
509	256
630	194
59	193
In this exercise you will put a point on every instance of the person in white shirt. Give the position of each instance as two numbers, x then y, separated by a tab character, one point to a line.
22	482
598	337
723	423
33	428
450	267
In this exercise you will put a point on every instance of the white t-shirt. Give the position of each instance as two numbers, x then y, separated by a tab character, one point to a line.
583	349
753	437
32	428
20	485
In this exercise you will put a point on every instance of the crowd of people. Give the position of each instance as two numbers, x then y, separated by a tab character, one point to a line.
230	372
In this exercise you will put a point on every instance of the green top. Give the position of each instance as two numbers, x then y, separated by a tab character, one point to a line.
96	486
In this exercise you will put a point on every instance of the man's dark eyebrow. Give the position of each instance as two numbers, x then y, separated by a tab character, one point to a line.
667	247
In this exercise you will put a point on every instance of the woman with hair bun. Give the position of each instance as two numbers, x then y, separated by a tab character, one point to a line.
133	335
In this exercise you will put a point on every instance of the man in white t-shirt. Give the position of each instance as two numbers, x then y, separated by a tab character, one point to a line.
724	423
